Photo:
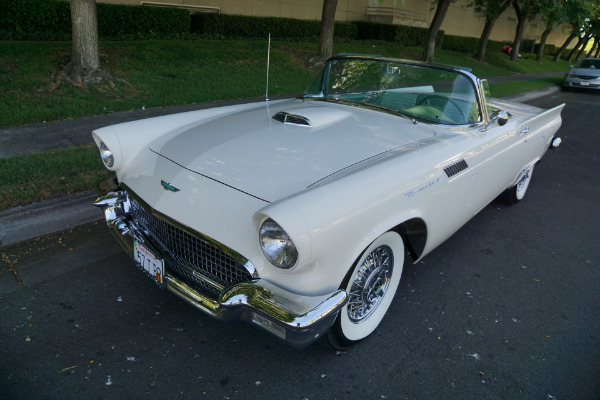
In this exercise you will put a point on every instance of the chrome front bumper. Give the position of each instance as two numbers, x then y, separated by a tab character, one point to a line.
259	302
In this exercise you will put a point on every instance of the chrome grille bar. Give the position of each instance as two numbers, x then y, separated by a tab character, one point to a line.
197	262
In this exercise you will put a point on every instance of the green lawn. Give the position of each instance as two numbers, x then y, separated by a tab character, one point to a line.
163	73
34	177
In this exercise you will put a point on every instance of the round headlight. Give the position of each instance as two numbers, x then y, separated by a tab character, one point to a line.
106	155
277	245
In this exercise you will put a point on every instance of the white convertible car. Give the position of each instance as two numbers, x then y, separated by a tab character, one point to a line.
298	215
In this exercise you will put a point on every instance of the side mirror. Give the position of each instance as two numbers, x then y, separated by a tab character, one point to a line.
502	117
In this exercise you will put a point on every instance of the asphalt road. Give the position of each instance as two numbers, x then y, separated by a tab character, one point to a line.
508	308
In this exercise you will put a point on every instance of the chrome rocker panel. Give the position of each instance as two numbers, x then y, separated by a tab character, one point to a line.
259	302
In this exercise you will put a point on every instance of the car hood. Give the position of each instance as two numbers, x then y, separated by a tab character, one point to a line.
272	158
589	72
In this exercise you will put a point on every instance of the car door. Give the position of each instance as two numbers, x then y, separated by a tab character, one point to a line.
508	150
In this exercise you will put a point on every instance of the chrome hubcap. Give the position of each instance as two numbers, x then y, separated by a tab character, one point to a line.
370	284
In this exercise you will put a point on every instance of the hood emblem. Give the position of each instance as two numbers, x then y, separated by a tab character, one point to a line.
168	186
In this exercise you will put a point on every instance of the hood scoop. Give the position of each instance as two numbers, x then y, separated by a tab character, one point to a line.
293	119
314	116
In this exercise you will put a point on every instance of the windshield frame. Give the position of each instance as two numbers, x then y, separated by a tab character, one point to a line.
318	89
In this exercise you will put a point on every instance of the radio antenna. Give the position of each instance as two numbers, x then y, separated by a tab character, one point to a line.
268	60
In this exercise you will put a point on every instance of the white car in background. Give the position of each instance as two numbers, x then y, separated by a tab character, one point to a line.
585	75
298	215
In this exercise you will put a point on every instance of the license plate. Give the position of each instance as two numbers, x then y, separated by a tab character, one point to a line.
149	263
584	83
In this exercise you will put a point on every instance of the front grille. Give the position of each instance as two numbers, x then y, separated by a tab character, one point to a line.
197	262
586	77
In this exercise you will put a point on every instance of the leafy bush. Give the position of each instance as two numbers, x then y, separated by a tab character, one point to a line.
239	26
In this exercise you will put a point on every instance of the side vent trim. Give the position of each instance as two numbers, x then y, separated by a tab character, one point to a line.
293	119
456	167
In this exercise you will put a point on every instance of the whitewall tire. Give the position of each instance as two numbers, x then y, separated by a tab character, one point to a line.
371	286
517	192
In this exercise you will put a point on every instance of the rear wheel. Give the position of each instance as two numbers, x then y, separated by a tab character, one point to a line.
371	285
517	192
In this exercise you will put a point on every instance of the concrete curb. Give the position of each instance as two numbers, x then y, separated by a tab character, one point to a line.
49	216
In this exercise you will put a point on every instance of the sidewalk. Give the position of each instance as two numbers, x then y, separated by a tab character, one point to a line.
32	220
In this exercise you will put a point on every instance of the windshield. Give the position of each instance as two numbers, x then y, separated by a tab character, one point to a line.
423	92
589	63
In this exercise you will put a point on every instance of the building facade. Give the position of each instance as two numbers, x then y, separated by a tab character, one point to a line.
460	19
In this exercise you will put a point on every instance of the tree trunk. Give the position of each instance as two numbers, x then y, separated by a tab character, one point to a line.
589	54
522	16
327	29
565	44
585	42
483	40
487	31
575	49
540	52
85	61
436	23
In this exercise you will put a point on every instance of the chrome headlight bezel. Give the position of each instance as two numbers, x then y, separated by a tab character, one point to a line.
106	155
276	245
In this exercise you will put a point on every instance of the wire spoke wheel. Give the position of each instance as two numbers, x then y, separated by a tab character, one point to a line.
371	285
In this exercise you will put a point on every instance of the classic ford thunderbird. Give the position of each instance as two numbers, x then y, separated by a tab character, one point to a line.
298	215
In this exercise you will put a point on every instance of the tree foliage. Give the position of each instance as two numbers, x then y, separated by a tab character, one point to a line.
580	15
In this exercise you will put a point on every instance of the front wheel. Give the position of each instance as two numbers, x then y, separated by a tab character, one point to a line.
371	286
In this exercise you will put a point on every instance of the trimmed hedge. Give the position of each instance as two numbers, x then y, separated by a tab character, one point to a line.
35	19
549	49
141	21
51	20
467	45
240	26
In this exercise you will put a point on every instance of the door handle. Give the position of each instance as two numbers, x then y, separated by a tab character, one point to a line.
524	130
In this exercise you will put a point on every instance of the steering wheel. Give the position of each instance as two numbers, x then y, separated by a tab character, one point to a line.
440	106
